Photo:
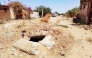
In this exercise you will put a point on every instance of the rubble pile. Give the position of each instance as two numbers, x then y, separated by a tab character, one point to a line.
55	43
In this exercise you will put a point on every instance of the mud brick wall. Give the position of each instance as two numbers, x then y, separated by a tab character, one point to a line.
85	11
4	12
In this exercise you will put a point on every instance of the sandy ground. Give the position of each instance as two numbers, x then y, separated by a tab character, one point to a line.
80	49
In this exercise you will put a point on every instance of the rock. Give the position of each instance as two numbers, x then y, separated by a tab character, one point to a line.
47	42
84	48
15	54
86	27
36	52
62	51
35	44
10	34
1	47
24	45
26	37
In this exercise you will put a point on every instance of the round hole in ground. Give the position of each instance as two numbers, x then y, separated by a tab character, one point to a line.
37	38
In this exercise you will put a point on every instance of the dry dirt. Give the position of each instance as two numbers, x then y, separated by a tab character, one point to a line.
70	41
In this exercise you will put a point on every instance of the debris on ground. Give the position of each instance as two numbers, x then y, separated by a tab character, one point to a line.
1	47
19	39
24	45
62	52
47	42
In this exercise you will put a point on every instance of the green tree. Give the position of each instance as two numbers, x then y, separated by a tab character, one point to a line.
42	8
76	9
56	12
73	11
0	4
70	12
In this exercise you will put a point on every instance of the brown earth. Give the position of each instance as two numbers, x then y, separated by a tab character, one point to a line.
70	42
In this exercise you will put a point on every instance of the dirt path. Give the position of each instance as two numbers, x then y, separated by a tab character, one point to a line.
81	48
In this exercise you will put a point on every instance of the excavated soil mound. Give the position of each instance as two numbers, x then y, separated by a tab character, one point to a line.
63	41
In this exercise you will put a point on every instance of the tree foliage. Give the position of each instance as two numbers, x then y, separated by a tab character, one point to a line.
45	10
30	9
73	12
0	4
16	5
76	9
18	8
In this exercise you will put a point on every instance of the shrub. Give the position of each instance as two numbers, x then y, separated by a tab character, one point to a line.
79	20
72	12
